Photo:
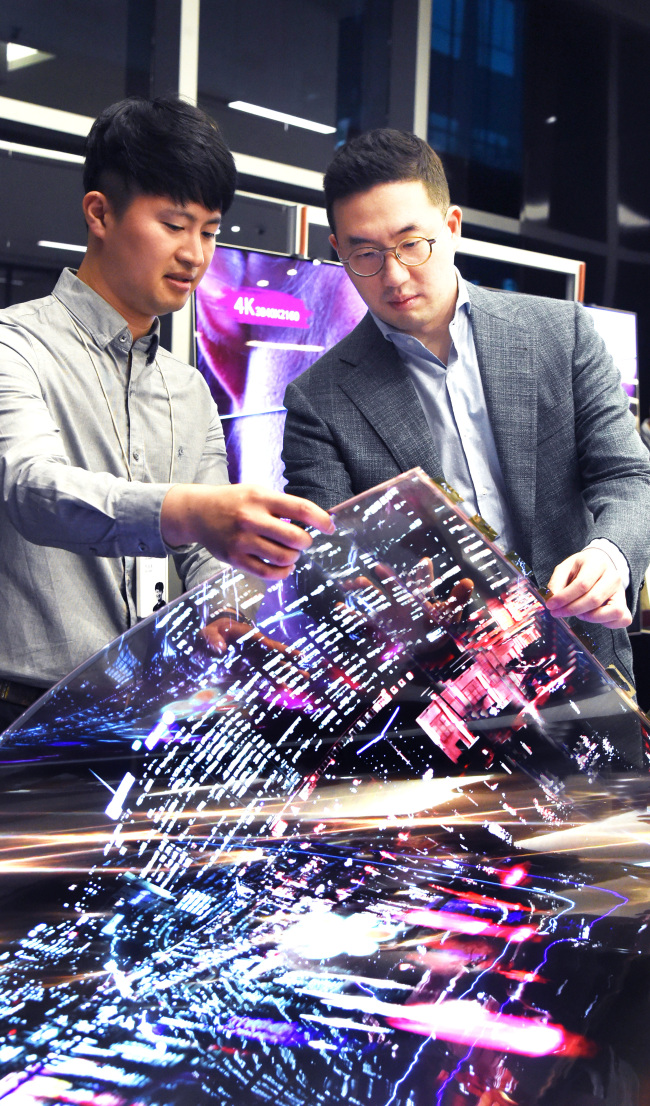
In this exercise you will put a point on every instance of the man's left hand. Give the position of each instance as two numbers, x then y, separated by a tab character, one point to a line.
588	586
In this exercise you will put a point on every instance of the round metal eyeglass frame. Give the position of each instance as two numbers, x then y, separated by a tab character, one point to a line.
381	255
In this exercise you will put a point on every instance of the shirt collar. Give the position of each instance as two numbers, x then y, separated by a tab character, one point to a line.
98	318
391	333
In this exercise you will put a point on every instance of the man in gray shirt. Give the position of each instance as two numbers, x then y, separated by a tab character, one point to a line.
110	448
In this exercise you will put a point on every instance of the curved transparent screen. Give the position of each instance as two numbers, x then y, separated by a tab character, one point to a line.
375	835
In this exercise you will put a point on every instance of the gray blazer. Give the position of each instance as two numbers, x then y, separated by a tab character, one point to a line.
573	464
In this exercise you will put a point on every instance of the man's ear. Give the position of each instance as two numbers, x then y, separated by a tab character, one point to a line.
97	209
333	243
454	220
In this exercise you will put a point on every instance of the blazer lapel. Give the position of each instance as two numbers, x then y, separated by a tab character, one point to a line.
379	385
506	363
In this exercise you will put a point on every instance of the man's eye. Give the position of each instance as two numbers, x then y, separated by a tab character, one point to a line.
172	226
361	254
209	234
410	244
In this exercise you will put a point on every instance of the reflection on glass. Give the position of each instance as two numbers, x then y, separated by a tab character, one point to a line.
377	835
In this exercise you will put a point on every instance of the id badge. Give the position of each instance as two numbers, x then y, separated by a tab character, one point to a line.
151	584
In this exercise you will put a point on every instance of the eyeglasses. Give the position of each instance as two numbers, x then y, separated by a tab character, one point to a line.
367	262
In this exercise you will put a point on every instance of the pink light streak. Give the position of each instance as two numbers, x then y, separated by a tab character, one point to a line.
467	1023
461	923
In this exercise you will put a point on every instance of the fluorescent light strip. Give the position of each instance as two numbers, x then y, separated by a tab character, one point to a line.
188	58
286	345
37	115
36	151
276	170
281	117
61	246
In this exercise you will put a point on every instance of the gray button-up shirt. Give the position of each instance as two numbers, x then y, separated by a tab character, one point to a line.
71	520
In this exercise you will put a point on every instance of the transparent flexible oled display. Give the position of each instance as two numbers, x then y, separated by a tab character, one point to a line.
376	835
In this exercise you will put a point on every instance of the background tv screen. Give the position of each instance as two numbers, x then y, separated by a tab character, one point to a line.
618	331
262	319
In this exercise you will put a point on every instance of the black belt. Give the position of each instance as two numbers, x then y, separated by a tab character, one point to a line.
22	695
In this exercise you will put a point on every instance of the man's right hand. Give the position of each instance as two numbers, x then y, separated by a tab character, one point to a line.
243	524
589	586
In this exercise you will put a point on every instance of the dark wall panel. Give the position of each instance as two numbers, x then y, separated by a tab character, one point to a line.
566	91
39	199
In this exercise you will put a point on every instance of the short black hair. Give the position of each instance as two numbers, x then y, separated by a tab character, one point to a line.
161	147
381	157
159	586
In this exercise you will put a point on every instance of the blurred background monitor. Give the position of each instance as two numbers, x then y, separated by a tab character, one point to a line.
261	320
618	331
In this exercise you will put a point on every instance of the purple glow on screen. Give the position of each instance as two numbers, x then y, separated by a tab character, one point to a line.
248	353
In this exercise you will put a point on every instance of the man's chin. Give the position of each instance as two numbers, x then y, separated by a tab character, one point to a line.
402	319
173	301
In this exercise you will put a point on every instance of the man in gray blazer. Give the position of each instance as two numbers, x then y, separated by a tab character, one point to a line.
512	399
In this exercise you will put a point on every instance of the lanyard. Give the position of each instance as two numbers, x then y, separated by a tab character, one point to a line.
118	436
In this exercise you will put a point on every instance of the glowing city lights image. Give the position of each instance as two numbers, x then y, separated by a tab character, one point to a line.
378	834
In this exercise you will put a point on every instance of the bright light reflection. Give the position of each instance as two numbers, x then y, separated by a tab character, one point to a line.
321	935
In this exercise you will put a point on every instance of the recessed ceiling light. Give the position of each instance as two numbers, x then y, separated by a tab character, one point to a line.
281	117
15	52
292	272
262	284
235	229
19	56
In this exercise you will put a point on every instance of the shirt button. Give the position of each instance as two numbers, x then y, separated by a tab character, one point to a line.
142	546
123	338
136	455
181	451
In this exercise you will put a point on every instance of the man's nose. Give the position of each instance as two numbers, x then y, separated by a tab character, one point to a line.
394	271
191	249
